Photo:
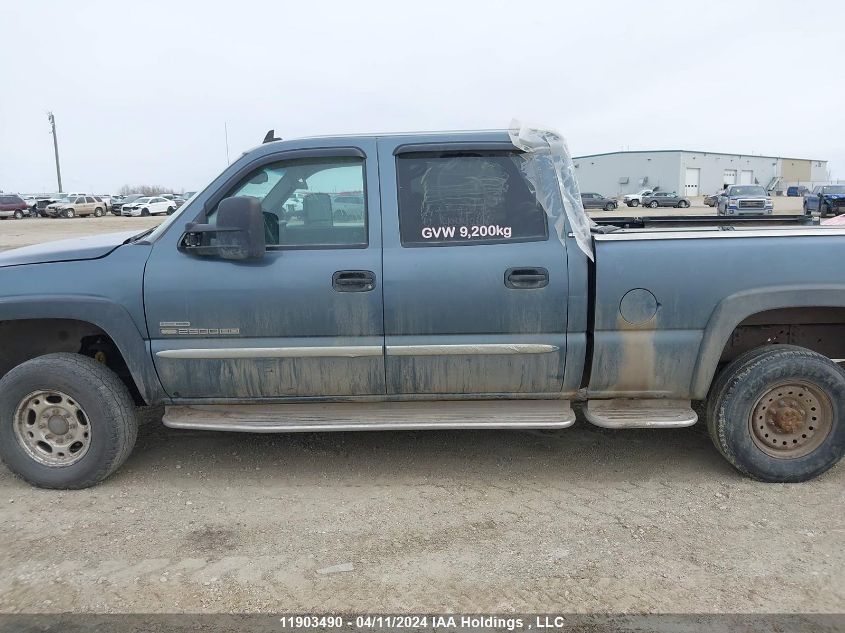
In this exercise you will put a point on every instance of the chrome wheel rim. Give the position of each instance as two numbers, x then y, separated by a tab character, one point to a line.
52	428
791	420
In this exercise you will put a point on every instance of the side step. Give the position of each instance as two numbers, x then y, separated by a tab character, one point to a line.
634	414
354	416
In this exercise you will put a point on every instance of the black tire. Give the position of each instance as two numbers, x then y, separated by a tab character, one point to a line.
108	406
609	206
683	204
824	210
170	210
741	385
635	203
653	204
98	212
19	215
145	212
69	213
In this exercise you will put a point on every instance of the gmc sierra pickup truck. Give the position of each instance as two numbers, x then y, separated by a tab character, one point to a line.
471	291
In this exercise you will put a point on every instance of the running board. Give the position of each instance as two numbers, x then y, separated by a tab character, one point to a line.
634	414
289	418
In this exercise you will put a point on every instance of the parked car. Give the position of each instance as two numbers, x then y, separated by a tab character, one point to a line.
42	202
118	202
175	198
74	206
745	199
796	191
825	200
598	201
348	206
148	205
31	203
665	199
12	206
636	199
312	326
106	200
711	200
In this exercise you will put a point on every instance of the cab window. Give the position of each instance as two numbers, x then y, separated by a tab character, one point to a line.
309	203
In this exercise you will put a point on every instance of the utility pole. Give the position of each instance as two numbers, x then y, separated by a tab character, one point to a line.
52	120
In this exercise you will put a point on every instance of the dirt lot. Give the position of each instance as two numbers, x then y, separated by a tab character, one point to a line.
581	520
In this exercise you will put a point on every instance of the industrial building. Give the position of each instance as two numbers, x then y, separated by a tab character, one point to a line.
692	173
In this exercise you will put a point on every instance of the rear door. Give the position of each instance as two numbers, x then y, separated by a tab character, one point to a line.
475	284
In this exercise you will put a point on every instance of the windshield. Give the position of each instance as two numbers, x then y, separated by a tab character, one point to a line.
748	191
834	189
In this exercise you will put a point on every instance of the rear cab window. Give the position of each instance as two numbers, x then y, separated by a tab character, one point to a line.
466	198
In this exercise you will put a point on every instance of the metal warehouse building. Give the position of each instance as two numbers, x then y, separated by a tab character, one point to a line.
692	173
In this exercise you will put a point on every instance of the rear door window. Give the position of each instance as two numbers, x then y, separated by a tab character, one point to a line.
451	199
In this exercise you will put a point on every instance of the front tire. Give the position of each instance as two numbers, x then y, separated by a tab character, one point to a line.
66	421
634	203
69	213
777	414
170	210
609	206
653	204
145	212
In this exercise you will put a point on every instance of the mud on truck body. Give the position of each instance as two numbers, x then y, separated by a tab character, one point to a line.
472	292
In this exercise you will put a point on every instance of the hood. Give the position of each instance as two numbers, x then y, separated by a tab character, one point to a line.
75	249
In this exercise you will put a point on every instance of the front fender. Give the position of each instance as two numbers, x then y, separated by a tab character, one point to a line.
112	318
734	309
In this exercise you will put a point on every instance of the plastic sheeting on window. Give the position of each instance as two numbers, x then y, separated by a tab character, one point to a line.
552	174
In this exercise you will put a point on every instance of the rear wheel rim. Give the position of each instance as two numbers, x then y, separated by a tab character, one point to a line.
791	420
52	428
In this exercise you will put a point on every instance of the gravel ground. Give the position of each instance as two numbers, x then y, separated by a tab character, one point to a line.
581	520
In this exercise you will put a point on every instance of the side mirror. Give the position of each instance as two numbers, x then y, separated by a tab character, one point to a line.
238	233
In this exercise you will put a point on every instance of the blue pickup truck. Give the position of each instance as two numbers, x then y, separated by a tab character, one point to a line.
455	297
825	200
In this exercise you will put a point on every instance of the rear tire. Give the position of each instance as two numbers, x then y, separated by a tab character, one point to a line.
785	394
106	427
98	212
683	204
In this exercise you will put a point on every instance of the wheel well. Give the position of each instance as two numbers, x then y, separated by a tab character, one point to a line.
24	339
819	329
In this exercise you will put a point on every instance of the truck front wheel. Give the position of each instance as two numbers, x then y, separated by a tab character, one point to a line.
66	421
778	413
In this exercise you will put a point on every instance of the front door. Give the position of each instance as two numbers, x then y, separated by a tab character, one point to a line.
475	282
306	320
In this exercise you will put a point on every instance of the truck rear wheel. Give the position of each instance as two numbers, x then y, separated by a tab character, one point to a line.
778	413
66	421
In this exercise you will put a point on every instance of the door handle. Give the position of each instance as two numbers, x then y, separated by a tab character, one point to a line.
525	278
354	280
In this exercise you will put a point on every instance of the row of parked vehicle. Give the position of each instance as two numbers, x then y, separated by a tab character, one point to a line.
824	200
646	197
73	205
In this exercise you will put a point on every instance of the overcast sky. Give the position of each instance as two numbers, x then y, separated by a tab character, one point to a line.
141	90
